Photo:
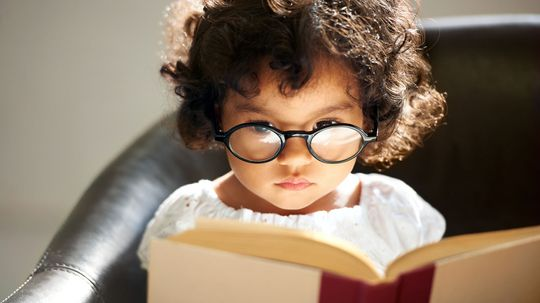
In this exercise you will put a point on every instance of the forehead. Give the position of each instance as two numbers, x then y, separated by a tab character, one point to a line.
331	83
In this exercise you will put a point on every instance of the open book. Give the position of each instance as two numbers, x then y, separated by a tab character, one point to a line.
232	261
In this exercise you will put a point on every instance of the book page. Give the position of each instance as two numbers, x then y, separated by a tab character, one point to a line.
456	245
283	244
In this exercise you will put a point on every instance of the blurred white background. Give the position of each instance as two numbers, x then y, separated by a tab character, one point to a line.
79	82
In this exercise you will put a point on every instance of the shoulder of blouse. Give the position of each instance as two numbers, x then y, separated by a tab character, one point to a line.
174	214
404	206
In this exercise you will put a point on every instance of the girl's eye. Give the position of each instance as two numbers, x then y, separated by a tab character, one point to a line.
324	123
260	129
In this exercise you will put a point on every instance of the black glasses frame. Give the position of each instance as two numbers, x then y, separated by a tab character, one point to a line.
306	135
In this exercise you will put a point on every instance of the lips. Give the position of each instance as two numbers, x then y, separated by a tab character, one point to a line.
294	183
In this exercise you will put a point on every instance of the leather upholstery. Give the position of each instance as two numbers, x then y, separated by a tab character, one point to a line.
480	169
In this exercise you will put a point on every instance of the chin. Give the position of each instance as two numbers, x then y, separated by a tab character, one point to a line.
293	200
287	205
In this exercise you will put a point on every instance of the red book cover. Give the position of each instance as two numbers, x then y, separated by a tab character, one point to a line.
410	287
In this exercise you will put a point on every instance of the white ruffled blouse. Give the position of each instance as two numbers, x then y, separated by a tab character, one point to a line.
390	219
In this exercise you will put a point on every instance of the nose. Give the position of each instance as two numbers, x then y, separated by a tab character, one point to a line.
295	153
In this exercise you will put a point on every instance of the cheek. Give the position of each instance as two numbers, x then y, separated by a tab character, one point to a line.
248	172
337	172
258	178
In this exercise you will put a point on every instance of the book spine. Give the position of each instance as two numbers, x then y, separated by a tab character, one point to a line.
338	289
415	286
411	287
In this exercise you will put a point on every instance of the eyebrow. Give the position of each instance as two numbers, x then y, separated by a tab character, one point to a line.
253	108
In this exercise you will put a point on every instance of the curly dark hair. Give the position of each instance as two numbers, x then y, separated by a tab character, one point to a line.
216	47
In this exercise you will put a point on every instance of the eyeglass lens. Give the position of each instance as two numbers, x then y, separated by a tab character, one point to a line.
258	143
255	143
336	143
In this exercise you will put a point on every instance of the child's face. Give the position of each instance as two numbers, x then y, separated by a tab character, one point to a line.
307	110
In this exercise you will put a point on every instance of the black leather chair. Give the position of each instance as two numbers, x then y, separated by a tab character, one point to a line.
481	169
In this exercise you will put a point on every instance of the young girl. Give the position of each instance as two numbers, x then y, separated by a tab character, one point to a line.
295	92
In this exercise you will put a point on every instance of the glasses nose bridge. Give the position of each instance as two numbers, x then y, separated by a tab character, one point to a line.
292	134
296	134
295	155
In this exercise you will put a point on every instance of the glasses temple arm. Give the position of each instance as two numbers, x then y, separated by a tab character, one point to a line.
375	131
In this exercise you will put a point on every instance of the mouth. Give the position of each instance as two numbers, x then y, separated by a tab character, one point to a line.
294	183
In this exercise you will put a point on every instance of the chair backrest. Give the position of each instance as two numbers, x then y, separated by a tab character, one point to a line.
482	168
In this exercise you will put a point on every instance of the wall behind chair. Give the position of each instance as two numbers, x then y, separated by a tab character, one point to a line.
78	82
434	8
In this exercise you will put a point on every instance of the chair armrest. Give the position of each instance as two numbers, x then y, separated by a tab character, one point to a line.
92	258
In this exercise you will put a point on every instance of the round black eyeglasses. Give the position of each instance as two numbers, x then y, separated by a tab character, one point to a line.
260	143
